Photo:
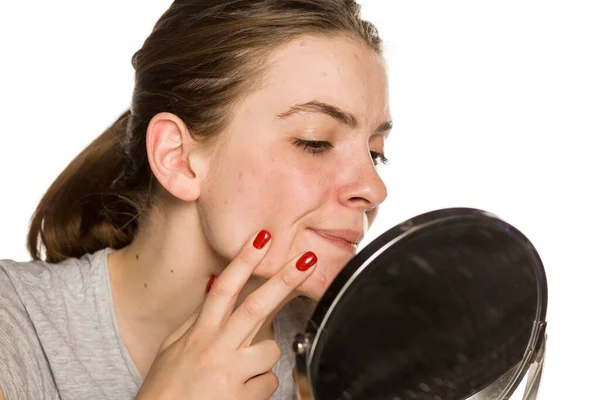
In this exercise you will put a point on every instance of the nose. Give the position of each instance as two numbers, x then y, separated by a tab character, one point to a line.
361	186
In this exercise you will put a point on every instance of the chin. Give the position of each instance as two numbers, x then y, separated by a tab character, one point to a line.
316	285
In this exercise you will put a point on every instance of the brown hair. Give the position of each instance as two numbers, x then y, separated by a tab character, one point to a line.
201	58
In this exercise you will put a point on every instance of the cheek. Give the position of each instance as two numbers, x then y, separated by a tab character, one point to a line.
283	188
290	202
255	190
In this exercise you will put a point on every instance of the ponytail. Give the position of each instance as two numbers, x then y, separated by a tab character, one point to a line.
84	210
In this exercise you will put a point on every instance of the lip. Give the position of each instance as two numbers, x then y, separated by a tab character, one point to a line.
342	238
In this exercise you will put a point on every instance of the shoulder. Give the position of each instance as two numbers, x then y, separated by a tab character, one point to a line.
21	355
39	282
11	304
39	303
43	293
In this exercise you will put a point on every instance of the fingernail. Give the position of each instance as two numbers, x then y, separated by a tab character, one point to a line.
261	239
210	283
307	260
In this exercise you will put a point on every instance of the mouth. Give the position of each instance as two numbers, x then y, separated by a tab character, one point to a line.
344	240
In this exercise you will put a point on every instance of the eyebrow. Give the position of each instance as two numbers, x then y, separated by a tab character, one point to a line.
335	112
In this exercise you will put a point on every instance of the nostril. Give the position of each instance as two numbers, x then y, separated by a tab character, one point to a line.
361	201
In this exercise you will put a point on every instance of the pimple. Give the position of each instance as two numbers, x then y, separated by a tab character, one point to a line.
321	278
324	73
302	43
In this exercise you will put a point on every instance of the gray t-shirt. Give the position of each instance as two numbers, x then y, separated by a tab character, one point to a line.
59	338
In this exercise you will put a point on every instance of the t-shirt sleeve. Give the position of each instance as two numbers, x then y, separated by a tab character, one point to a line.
22	359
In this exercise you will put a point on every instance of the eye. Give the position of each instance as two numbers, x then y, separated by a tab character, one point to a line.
378	158
313	146
321	146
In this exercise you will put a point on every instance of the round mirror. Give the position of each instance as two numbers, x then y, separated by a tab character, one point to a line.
449	305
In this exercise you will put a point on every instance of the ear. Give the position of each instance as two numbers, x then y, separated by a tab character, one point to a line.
172	156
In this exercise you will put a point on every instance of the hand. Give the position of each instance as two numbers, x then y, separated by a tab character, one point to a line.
211	356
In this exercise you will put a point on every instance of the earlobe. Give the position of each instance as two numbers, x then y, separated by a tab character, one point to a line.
170	148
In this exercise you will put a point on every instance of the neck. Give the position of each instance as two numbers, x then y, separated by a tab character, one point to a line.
159	281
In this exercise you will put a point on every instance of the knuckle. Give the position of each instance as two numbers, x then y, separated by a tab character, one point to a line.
247	258
272	381
274	348
221	289
287	278
253	308
222	380
209	360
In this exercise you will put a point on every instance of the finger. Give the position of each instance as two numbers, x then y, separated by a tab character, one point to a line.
179	332
264	300
262	387
220	301
252	335
260	358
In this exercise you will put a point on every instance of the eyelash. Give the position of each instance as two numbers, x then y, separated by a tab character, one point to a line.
318	146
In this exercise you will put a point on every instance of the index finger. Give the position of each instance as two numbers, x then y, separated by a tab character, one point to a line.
225	289
264	300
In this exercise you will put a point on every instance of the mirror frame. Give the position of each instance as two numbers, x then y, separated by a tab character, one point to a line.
306	342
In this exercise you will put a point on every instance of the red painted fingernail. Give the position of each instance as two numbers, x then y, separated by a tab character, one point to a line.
261	239
210	283
307	260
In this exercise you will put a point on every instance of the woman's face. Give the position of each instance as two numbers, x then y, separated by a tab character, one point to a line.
298	159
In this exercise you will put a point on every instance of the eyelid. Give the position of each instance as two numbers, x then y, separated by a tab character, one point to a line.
313	146
320	146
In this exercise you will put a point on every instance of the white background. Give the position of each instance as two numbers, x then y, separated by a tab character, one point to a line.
496	105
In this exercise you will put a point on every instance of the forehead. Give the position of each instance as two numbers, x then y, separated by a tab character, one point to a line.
335	70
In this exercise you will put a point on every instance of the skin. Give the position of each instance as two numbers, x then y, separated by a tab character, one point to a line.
213	199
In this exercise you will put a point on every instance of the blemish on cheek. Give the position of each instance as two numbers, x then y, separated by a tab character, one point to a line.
322	281
171	271
137	256
302	43
145	285
356	57
323	73
240	174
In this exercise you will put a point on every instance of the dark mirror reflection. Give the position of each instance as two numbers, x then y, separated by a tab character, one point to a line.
449	305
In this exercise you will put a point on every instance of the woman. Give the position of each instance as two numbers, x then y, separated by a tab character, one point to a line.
181	246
